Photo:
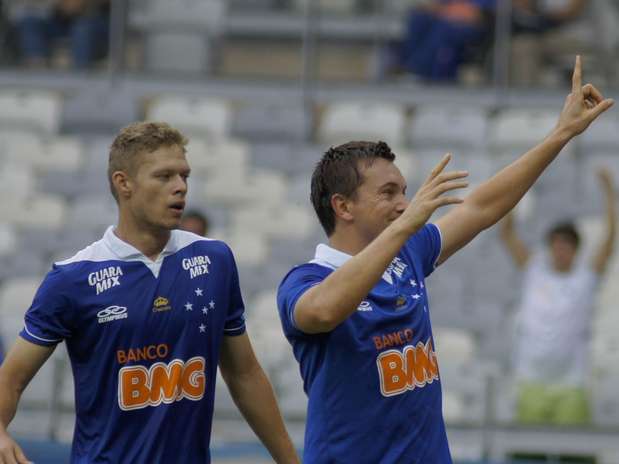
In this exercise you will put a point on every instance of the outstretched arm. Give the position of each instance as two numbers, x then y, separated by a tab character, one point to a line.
489	202
251	390
605	250
517	249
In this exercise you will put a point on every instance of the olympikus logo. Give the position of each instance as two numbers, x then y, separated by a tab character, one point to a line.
196	265
414	367
112	313
106	278
139	387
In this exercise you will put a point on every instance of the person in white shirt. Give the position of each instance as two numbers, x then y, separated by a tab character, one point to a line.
554	318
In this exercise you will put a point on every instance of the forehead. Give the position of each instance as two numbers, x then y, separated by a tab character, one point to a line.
168	157
380	172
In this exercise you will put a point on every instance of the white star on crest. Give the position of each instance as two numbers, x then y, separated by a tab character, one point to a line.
416	296
198	292
205	310
202	328
413	282
422	285
189	307
212	304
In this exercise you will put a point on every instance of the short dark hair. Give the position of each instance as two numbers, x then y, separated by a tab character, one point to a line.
198	216
566	230
338	172
136	139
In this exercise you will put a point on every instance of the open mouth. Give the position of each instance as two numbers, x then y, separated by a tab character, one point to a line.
178	207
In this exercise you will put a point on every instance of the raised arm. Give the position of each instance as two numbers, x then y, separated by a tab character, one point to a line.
326	305
21	364
605	249
254	397
515	246
489	202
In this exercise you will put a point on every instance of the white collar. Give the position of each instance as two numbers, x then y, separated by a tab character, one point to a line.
126	251
330	257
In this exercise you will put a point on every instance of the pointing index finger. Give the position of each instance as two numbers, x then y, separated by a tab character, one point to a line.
577	76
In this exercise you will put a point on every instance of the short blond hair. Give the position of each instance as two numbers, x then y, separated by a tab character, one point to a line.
137	139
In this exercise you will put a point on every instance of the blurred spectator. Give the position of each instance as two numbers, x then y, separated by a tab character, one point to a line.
440	36
41	24
194	221
555	317
540	36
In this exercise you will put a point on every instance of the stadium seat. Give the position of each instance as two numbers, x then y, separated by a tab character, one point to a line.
206	117
24	263
43	211
8	239
249	249
274	222
81	213
520	128
218	157
179	13
336	7
30	110
603	135
16	295
16	183
605	402
454	346
253	5
372	121
448	128
271	122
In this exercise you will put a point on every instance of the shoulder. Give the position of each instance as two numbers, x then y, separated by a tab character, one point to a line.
188	242
312	271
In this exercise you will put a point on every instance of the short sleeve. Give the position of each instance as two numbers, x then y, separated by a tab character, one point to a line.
295	284
425	245
235	318
49	320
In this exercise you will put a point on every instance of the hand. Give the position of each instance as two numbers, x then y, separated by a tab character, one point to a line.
428	198
606	179
10	452
582	106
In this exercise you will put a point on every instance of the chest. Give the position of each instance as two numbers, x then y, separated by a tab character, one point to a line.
395	313
129	300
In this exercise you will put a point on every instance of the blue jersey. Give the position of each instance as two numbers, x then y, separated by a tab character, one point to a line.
373	382
143	337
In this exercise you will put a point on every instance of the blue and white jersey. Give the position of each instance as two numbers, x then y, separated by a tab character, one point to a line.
143	337
373	382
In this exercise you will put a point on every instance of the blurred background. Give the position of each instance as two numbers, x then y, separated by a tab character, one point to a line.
263	88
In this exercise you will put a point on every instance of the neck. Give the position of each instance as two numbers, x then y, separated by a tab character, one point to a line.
349	242
149	241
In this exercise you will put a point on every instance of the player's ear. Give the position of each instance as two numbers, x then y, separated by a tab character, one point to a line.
341	207
122	184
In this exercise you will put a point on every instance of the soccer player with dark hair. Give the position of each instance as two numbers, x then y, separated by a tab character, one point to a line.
357	315
148	313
